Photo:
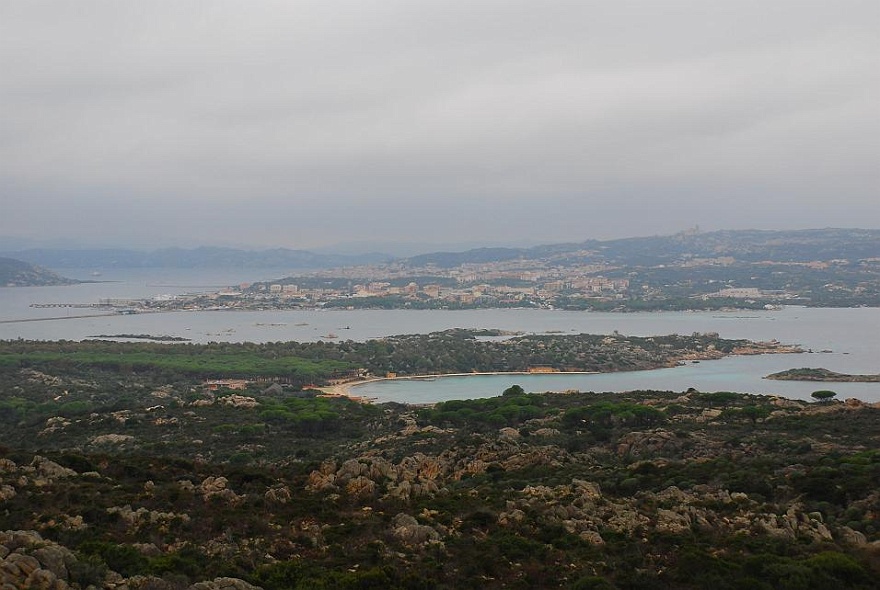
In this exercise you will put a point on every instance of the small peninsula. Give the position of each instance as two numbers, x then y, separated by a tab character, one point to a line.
16	273
158	338
806	374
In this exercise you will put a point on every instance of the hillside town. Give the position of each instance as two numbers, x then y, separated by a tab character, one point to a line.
498	283
523	284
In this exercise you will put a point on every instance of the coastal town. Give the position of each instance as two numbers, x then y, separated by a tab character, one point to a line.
686	271
522	284
525	282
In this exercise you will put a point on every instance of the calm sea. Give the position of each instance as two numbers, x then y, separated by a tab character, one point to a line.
851	335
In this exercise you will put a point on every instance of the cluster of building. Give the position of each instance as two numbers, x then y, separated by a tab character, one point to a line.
468	284
509	283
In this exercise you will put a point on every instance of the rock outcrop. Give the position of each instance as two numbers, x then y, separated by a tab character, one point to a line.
421	474
217	487
27	560
408	530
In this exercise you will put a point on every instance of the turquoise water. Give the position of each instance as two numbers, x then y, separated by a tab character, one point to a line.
742	374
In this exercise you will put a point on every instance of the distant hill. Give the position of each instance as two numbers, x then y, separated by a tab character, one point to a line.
747	246
206	257
742	245
16	273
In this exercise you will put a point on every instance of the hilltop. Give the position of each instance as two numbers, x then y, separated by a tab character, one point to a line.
741	245
16	273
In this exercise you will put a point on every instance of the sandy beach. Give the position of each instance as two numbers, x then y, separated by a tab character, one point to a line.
345	389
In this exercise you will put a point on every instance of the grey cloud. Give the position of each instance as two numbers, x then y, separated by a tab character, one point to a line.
371	117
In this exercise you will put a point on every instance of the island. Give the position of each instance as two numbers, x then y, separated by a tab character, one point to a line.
157	338
806	374
335	361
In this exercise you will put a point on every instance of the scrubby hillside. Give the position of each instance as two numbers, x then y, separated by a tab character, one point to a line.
15	273
170	485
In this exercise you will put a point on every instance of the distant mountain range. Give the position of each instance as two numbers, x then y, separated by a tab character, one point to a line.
16	273
206	257
742	245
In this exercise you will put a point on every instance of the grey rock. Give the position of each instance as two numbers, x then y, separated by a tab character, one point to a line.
278	495
273	389
53	559
44	580
410	532
509	434
852	536
224	584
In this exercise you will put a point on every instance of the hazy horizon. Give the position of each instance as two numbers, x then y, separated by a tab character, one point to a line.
316	125
393	249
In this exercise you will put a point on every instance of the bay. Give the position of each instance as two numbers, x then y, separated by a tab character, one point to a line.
852	335
740	374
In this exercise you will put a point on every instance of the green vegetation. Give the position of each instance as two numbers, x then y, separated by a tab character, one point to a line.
823	395
451	351
512	409
205	361
283	488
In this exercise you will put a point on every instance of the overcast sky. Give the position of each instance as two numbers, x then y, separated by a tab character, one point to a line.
303	124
